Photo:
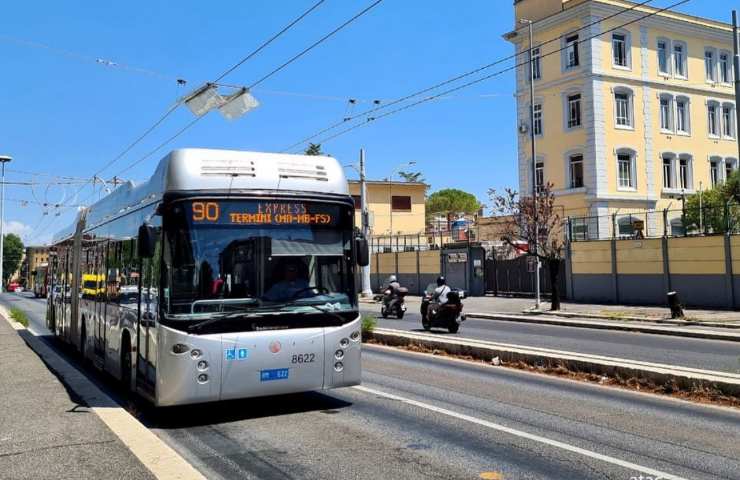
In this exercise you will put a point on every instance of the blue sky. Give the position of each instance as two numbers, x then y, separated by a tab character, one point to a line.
65	114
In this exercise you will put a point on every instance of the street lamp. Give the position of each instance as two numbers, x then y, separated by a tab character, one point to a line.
3	159
535	203
390	191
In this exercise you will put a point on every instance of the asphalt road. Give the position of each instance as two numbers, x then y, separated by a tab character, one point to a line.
418	416
687	352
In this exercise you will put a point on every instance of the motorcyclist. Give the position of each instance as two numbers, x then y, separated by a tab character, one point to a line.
440	293
392	287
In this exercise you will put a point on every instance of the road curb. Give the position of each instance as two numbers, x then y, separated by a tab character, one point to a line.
688	379
598	316
156	456
612	325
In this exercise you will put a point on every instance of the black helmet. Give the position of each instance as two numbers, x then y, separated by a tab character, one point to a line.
441	280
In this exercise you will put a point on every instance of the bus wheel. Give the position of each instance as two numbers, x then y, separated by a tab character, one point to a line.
126	363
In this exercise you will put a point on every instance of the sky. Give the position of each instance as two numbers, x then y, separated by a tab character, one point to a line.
81	80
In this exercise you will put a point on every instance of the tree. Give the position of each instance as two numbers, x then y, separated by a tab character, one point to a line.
314	149
549	236
451	200
412	177
719	209
12	255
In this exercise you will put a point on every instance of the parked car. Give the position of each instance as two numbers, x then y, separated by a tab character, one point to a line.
12	286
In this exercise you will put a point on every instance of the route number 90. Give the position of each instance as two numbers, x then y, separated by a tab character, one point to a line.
205	211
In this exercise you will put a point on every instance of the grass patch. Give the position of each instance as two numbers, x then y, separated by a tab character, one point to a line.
19	316
368	325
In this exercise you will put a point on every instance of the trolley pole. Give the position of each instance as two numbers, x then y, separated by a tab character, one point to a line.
736	67
535	193
3	159
367	291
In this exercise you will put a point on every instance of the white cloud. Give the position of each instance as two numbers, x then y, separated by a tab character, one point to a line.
19	228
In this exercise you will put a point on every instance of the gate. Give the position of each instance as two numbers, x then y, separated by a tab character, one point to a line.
513	277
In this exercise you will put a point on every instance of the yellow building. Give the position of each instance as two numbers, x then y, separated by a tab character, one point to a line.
628	120
34	257
395	207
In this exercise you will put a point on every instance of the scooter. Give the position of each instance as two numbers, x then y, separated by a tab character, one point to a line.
394	304
447	316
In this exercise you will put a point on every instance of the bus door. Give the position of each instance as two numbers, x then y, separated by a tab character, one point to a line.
99	302
147	330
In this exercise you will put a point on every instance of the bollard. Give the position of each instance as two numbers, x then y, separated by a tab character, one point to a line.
675	305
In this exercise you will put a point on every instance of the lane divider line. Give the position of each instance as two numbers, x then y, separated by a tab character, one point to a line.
521	434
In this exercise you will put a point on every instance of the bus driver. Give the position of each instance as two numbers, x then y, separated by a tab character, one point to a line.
289	287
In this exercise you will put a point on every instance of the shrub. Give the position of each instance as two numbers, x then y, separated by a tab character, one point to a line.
368	325
19	316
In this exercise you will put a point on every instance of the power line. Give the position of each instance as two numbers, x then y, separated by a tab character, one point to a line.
487	77
177	104
316	43
454	79
273	72
270	40
44	174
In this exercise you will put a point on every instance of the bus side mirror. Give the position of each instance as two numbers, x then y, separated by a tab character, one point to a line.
146	241
362	251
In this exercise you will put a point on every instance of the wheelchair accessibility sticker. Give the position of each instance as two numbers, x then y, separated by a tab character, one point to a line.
236	354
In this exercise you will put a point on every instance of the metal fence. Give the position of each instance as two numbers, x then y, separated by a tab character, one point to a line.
684	222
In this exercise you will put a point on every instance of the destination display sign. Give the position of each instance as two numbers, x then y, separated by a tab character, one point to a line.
251	213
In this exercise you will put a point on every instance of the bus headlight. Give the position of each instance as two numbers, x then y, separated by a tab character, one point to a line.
339	354
196	353
179	348
202	378
355	336
344	343
339	366
202	365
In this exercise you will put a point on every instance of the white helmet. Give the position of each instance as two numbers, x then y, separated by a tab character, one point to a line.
392	278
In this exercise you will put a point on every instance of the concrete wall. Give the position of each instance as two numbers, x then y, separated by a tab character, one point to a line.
705	271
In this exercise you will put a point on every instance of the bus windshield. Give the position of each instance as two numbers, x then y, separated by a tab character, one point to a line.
257	256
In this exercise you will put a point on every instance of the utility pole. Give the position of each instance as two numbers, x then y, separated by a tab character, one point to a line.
736	66
367	291
3	159
535	193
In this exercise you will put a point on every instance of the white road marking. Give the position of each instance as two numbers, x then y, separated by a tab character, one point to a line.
657	474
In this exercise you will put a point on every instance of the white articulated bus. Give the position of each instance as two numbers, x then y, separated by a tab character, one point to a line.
227	275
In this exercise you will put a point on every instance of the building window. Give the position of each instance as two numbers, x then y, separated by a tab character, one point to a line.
539	176
714	171
625	226
537	115
663	64
619	49
684	173
725	68
713	118
357	200
623	108
536	67
576	171
709	66
730	167
668	177
571	51
679	59
574	111
728	121
401	203
625	171
666	119
682	115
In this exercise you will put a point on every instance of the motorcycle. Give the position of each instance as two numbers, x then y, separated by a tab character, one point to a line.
394	303
447	316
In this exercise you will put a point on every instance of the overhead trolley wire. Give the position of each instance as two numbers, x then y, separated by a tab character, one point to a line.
456	78
265	77
476	81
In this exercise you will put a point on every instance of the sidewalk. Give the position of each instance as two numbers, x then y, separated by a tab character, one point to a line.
622	313
44	431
